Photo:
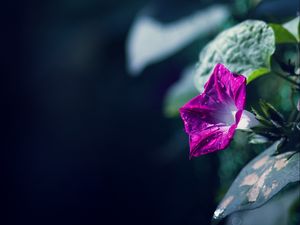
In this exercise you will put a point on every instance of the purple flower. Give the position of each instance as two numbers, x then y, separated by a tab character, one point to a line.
211	118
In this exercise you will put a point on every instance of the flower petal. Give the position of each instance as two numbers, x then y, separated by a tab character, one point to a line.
211	118
210	140
228	85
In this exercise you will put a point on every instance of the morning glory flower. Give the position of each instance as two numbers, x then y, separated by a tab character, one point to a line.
211	118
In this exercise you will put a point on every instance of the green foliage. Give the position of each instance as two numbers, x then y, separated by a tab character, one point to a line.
245	49
282	35
271	113
180	92
232	160
293	27
257	73
288	32
273	126
243	6
260	180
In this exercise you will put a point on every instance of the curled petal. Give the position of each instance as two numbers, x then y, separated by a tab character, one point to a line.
211	118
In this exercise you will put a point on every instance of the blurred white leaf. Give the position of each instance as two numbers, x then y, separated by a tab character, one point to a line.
180	92
150	41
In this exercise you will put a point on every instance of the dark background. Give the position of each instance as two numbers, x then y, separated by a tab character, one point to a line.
87	143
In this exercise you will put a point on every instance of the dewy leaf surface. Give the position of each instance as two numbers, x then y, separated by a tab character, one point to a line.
244	49
150	41
260	180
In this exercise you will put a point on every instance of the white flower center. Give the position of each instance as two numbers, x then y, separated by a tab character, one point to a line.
228	117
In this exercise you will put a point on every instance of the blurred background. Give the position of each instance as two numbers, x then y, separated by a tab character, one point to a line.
91	144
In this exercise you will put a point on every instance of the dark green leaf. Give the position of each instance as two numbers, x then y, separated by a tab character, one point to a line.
282	35
270	112
269	132
261	118
257	73
293	27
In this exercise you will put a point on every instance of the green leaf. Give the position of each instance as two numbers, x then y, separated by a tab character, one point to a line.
282	35
270	112
293	27
243	49
269	132
260	180
180	92
257	73
261	118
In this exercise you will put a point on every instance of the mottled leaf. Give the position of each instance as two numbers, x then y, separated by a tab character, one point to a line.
260	180
244	49
180	92
150	41
275	212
